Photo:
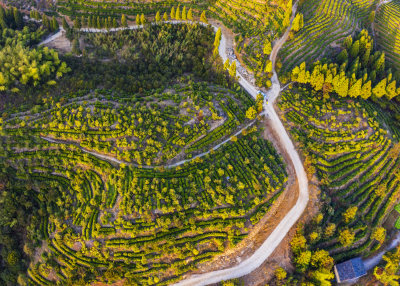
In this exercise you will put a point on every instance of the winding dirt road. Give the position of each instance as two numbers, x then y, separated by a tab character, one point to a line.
279	233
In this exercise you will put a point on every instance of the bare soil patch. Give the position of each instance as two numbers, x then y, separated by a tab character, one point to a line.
62	44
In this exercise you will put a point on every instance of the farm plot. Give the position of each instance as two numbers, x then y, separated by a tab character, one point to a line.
147	226
387	33
355	162
325	23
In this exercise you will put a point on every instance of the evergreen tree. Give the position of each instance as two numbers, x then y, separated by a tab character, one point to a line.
172	13
158	17
3	21
391	90
124	23
54	24
203	17
232	69
65	24
297	22
184	16
366	90
317	79
190	15
380	89
98	24
355	89
348	42
115	24
355	49
365	57
77	23
75	47
379	64
342	57
83	21
371	17
178	14
143	19
226	64
138	19
17	18
165	16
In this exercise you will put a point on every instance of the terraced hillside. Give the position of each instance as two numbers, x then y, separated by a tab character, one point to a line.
148	226
355	162
326	22
387	21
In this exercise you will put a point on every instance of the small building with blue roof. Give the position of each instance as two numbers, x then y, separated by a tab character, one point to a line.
349	270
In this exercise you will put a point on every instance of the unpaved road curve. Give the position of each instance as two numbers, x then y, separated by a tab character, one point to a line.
279	233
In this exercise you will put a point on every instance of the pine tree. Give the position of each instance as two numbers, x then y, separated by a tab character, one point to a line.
203	17
115	24
54	24
178	14
348	42
124	23
371	17
44	21
158	17
355	49
380	89
355	89
65	24
98	23
77	23
138	19
17	18
190	15
143	19
317	79
184	16
379	64
232	69
342	57
297	22
75	47
366	90
365	57
83	21
226	64
172	13
391	90
165	16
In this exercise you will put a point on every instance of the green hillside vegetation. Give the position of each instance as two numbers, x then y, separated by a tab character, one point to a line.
386	26
117	220
255	23
325	23
355	158
20	64
138	221
358	72
356	163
